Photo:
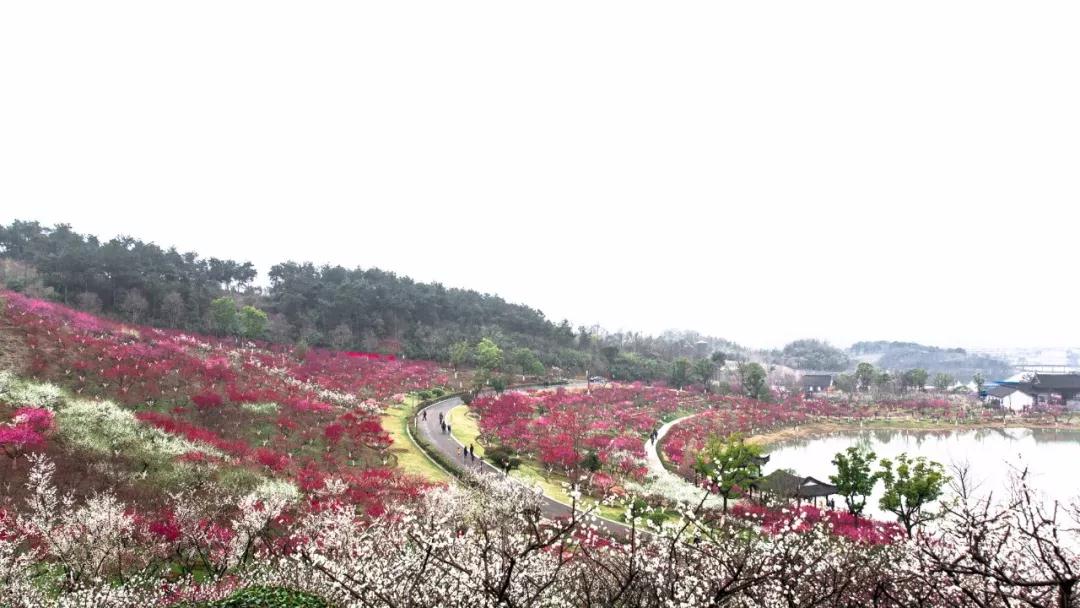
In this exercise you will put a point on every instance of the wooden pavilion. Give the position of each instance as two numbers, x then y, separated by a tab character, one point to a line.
787	485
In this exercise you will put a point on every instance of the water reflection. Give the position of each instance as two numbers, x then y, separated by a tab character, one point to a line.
992	454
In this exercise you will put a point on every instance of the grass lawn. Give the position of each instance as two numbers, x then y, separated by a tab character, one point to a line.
409	456
465	428
551	484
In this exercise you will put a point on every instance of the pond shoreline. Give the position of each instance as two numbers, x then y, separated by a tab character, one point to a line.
816	429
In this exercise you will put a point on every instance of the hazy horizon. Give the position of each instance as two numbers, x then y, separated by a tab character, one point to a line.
761	173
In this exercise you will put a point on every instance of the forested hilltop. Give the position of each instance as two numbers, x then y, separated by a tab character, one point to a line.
906	355
361	309
376	310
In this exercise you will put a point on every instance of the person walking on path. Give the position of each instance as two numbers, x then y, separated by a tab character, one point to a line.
423	416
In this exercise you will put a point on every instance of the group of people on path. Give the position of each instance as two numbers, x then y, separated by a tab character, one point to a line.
444	424
653	436
467	454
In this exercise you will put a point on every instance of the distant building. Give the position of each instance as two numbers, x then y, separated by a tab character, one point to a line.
816	383
1009	397
1043	388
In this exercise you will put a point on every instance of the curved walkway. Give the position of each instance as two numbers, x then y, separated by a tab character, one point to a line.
452	450
667	483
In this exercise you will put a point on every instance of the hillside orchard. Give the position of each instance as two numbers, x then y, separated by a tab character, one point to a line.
150	467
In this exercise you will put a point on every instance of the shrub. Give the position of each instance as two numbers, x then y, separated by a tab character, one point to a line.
503	457
265	597
499	383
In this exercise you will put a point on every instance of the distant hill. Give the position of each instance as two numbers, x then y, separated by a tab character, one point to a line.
814	355
957	362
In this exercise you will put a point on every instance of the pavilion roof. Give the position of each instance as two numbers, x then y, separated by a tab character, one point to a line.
783	483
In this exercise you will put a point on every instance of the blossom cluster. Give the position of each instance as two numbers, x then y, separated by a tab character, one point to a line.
135	365
735	414
154	399
803	518
26	431
561	428
490	545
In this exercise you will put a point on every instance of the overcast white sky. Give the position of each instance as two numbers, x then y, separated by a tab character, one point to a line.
762	171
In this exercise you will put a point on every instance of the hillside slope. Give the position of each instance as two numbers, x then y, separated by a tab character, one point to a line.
152	412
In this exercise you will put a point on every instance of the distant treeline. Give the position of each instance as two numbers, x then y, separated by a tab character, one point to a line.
368	309
375	310
897	356
955	361
813	355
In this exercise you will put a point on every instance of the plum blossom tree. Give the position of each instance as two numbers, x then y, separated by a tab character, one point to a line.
1019	551
17	440
488	543
26	432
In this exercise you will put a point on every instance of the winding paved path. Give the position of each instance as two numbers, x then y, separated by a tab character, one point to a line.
452	449
667	483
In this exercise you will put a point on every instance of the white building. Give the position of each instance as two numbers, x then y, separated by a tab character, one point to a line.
1009	398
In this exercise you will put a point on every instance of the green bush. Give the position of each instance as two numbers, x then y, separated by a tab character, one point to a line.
591	462
503	457
499	383
265	597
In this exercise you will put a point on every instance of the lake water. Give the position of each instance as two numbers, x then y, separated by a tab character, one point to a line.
1052	457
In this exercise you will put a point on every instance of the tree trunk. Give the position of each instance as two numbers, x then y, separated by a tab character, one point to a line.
1065	594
